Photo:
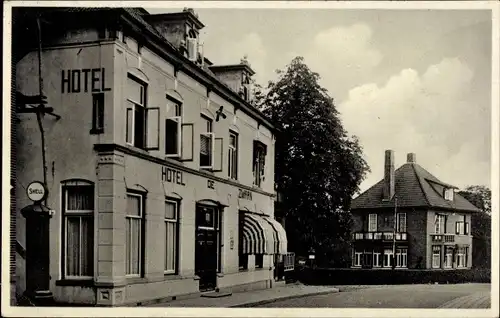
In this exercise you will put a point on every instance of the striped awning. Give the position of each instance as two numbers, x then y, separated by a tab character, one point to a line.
256	235
280	234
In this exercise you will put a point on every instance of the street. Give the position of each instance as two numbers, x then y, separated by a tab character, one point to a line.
397	296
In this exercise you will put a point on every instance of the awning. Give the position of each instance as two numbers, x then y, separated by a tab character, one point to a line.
281	246
258	235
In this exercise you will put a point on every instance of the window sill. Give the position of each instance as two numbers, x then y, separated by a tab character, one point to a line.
95	131
75	282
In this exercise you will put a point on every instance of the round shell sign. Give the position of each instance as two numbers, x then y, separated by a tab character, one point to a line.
36	191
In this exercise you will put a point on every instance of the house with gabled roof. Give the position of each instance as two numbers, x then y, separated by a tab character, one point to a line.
411	219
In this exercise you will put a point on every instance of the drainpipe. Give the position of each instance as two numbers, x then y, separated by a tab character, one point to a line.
394	233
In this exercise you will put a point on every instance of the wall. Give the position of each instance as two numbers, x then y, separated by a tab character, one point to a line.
159	75
450	229
69	144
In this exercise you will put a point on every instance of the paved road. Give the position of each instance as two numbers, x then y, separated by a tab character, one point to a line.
397	296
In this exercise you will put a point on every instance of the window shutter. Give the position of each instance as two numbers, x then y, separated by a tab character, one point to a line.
153	128
173	136
467	228
130	126
445	221
187	142
218	153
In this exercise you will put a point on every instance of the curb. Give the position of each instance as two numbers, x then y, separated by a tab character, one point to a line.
267	301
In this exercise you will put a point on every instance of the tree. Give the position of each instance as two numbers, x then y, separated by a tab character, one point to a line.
480	196
318	167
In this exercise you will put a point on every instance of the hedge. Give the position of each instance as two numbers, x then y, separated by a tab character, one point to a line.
347	276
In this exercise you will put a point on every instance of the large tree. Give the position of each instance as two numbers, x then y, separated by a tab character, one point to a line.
318	166
480	196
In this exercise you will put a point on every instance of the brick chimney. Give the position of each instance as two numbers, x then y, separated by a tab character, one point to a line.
411	158
389	179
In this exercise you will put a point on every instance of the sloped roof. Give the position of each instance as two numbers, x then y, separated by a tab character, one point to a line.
414	187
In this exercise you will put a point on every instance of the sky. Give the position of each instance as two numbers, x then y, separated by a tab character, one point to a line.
408	80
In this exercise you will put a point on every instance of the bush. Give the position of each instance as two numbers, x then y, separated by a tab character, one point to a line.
347	276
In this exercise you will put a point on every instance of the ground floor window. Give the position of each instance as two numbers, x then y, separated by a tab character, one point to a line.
367	258
78	229
401	257
259	260
448	257
171	236
460	257
376	259
388	257
436	256
357	258
134	234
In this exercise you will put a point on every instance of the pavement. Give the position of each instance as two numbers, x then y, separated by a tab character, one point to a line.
253	298
395	296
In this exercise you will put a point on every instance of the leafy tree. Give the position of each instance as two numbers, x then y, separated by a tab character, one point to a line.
480	196
318	167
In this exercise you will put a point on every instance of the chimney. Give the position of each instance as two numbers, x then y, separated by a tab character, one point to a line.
389	182
411	158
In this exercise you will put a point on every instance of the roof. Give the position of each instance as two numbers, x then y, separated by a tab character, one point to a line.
414	187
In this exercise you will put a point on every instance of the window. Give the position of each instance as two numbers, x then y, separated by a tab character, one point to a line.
401	222
367	258
171	236
448	194
357	258
259	260
448	257
97	113
401	257
207	144
376	259
461	257
436	256
259	160
134	234
467	229
439	224
372	223
142	124
173	127
78	218
459	228
232	168
388	257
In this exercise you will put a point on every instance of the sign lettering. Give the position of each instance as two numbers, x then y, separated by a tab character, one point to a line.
211	184
245	194
172	176
84	80
36	191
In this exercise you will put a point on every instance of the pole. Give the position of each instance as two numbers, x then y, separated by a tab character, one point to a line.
39	114
394	233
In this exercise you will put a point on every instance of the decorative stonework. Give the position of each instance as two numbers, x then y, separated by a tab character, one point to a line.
104	295
111	158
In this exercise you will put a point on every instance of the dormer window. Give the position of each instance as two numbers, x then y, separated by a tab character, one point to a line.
192	46
448	194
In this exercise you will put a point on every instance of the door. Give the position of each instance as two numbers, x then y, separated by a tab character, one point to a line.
206	248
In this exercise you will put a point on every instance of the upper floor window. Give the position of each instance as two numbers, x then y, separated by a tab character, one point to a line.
173	129
372	223
78	229
401	222
448	194
259	161
192	45
439	224
232	168
207	144
142	123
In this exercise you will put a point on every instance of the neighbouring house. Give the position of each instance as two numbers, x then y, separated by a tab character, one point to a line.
411	219
160	171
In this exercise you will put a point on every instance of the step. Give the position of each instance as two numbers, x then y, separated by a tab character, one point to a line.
215	294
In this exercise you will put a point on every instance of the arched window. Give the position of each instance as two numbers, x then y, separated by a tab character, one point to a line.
78	197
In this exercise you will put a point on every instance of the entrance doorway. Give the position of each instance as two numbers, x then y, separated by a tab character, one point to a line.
207	247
